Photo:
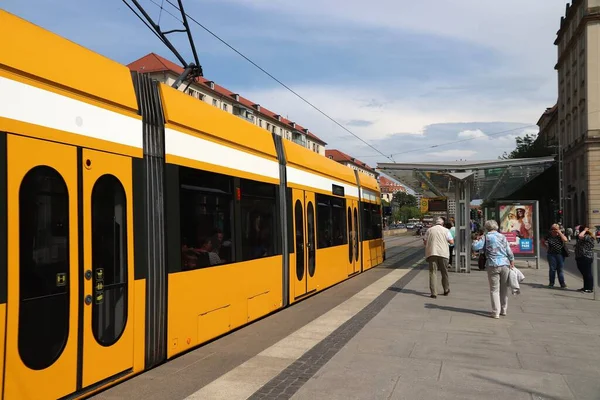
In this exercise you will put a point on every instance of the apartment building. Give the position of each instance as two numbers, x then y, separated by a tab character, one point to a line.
389	187
548	124
578	45
351	162
167	72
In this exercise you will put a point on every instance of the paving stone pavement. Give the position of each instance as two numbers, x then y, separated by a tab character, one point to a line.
547	347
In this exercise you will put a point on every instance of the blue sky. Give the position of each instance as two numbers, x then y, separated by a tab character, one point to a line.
403	74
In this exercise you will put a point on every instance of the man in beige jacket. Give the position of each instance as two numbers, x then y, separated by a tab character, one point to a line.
437	238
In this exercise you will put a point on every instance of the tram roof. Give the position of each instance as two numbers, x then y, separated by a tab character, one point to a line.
492	179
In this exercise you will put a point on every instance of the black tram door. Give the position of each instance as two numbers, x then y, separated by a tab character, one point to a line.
353	238
48	291
303	272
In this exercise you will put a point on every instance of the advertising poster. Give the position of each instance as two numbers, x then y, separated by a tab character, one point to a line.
516	222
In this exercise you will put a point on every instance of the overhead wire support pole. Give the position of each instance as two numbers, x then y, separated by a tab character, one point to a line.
192	69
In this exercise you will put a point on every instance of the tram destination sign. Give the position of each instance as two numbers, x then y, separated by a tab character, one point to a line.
337	190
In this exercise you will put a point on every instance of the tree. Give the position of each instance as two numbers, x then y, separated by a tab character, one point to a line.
407	212
402	199
529	146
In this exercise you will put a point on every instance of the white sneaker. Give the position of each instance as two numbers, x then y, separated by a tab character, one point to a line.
495	316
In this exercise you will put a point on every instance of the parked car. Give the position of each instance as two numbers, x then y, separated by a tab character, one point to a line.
401	226
410	226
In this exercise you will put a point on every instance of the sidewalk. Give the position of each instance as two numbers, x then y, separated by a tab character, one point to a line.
548	347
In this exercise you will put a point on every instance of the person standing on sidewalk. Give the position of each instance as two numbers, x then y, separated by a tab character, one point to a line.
555	243
499	261
437	238
584	256
450	227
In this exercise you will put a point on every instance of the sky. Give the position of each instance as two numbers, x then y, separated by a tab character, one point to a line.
427	80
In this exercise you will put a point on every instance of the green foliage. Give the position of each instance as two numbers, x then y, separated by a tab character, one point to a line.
407	212
527	147
402	199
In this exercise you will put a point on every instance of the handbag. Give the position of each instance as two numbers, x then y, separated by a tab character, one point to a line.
564	251
482	257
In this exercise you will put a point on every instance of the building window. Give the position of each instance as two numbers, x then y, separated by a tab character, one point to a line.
225	108
259	228
260	122
268	126
214	102
206	205
331	221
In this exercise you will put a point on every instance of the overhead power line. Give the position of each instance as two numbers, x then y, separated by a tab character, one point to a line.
453	142
280	82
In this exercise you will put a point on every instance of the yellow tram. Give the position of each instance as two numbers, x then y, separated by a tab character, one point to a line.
115	199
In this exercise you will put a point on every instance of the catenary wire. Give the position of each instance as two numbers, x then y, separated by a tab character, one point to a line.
453	142
281	83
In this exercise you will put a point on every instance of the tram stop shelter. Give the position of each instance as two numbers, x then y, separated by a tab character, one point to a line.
465	181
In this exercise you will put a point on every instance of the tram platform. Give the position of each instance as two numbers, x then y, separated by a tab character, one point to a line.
380	336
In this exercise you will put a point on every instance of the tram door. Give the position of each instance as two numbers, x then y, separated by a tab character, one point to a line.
353	238
66	327
303	271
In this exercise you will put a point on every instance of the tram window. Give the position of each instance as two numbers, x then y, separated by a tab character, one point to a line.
376	221
44	267
331	221
367	228
109	260
290	221
206	204
259	229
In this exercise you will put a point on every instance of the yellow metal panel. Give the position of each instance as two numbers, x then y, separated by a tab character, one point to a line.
366	255
101	362
139	327
208	302
38	52
368	182
2	343
332	265
59	379
192	113
302	157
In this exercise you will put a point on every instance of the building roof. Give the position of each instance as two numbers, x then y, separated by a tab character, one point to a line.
342	157
154	63
548	113
384	181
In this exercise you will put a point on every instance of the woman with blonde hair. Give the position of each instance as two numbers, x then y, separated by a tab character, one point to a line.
499	261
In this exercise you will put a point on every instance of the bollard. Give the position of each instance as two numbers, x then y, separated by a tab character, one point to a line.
595	275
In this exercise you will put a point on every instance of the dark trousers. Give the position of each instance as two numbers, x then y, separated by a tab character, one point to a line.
451	251
556	263
584	265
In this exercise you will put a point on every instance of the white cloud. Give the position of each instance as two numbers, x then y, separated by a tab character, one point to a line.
472	134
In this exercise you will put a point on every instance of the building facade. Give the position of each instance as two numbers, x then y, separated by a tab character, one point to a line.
167	72
578	45
389	188
351	162
548	124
